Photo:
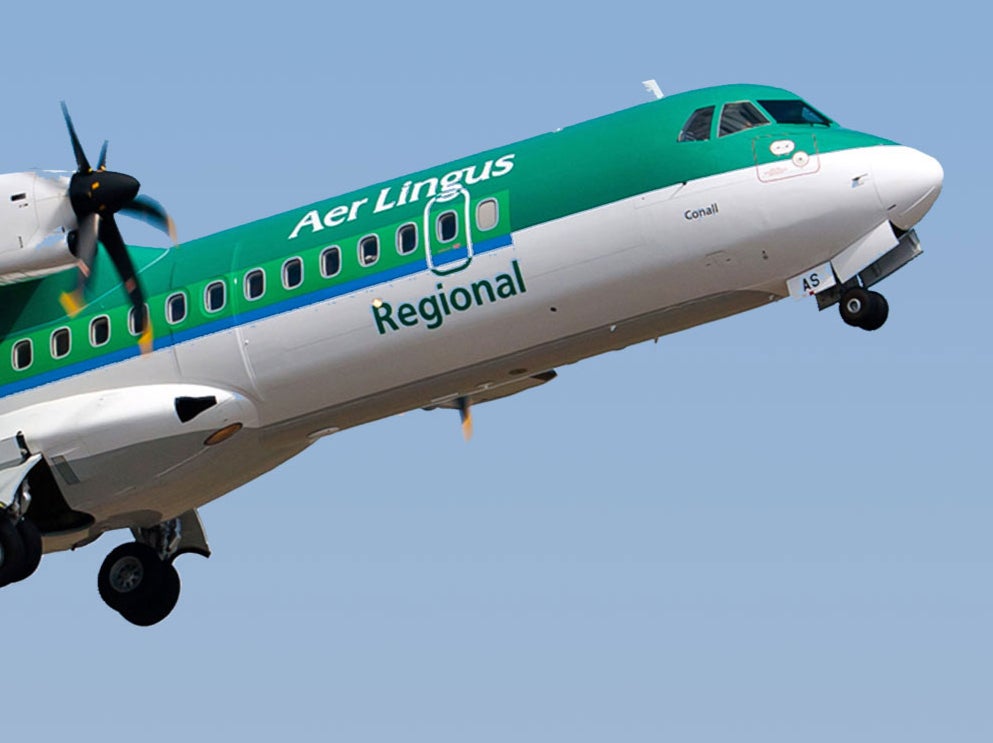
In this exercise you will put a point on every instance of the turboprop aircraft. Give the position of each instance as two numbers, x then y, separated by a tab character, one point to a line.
137	384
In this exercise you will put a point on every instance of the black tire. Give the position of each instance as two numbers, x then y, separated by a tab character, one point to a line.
31	538
129	575
11	551
879	310
159	605
855	306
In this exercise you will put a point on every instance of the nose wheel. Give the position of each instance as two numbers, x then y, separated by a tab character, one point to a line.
864	309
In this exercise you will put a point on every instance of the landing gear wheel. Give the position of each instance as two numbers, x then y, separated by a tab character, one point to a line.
879	310
855	306
129	576
158	605
11	551
31	539
136	583
864	309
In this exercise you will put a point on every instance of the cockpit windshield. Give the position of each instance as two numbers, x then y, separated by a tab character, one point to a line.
739	116
795	112
697	127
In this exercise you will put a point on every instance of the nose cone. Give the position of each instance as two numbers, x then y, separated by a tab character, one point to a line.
116	189
908	183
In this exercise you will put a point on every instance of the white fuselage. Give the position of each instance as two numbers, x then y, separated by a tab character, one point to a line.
597	280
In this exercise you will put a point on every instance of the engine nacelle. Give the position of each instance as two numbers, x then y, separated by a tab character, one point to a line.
35	219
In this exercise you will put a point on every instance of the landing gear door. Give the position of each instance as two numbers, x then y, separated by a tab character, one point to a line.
448	231
788	156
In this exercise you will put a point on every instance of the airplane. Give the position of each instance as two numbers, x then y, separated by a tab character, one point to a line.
138	384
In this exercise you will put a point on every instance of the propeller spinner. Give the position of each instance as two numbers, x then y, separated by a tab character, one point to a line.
96	196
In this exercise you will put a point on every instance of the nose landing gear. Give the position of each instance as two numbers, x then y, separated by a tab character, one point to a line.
864	309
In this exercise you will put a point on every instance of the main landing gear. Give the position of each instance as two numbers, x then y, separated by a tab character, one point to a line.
20	549
20	541
138	579
864	309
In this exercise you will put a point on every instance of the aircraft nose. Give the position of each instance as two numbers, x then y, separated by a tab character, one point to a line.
908	183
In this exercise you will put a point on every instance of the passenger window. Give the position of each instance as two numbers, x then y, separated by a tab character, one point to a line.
214	296
61	343
737	117
254	284
368	250
292	273
407	239
447	226
487	214
697	127
176	308
330	261
132	320
22	355
99	330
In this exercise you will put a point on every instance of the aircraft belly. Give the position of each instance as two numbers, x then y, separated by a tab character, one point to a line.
132	493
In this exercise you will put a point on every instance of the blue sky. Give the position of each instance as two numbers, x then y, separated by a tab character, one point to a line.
771	528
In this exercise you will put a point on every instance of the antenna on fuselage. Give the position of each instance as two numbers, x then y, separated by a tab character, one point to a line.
653	88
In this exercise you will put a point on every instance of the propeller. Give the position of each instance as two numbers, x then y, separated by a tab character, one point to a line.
96	196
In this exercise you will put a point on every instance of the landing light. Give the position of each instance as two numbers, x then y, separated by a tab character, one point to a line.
223	434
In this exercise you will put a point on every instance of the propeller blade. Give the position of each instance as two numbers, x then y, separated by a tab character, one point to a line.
465	414
82	163
86	245
85	249
151	212
111	238
102	162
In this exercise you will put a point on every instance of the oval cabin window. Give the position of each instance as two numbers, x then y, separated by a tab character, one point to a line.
61	343
22	355
214	296
99	330
254	284
368	250
407	239
487	215
330	261
292	273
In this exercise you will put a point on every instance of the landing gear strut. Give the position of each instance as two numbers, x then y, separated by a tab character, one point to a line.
138	579
864	309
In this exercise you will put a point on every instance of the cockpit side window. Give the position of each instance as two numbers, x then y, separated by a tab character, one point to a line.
697	127
794	112
737	117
